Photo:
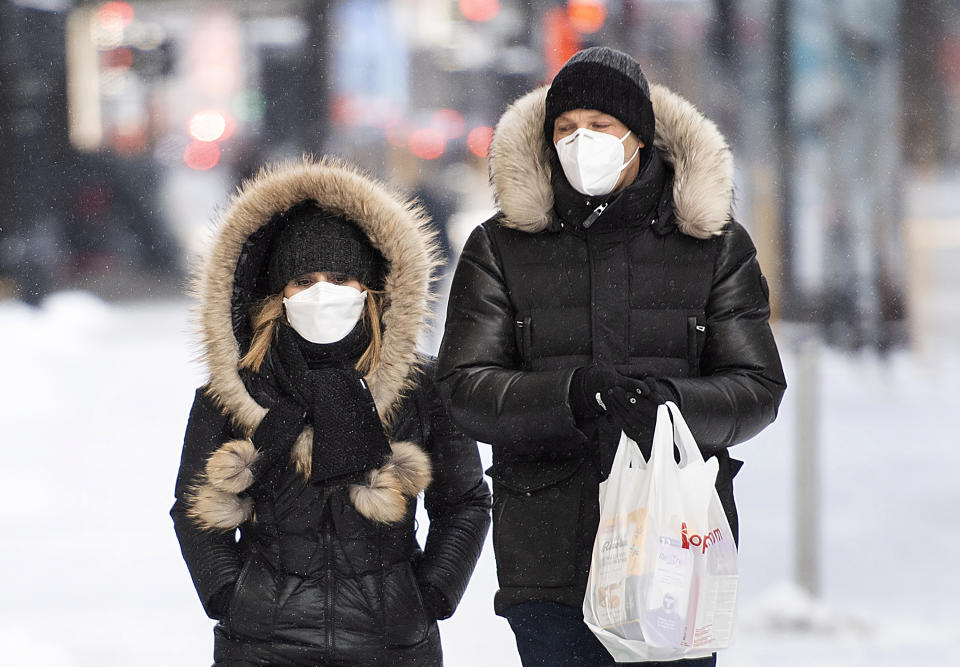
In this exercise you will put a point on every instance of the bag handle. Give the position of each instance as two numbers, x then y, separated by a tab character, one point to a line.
682	437
663	437
677	433
628	454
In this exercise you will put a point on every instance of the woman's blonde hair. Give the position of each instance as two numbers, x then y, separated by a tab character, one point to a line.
266	315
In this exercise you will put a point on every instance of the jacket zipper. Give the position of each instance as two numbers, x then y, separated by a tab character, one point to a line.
592	218
328	551
598	211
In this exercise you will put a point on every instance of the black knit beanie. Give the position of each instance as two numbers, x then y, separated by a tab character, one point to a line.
607	80
312	239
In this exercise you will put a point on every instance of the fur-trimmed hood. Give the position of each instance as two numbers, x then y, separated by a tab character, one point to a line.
399	230
701	159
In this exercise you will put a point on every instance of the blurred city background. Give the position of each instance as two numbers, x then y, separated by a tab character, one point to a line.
126	126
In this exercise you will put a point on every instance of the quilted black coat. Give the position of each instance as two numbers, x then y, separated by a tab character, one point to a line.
325	573
664	283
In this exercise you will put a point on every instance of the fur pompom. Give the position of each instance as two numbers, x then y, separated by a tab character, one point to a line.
213	509
228	468
380	500
302	452
410	465
384	497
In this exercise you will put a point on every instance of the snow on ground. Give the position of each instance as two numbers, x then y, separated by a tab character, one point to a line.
95	399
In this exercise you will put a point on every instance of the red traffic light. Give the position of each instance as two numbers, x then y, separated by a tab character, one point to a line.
479	10
587	16
478	141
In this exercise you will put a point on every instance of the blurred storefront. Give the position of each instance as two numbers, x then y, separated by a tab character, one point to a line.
129	123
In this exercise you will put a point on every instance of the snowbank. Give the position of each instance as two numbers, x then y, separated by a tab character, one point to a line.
95	402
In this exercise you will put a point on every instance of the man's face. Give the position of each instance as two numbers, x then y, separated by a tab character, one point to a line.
570	121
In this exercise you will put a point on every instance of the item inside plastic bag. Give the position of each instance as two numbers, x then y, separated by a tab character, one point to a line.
663	576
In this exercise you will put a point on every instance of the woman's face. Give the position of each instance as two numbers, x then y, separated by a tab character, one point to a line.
306	280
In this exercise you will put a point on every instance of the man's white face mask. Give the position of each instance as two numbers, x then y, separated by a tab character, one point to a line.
324	312
592	161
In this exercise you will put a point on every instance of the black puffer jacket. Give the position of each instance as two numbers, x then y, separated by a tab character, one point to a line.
663	283
324	573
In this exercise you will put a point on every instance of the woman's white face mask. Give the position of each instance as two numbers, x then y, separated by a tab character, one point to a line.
592	161
324	312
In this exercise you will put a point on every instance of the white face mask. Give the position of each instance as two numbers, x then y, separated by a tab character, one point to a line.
324	312
592	161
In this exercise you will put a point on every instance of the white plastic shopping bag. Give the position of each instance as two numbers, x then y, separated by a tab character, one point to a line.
663	577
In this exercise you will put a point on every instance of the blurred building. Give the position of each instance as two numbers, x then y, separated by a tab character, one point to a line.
128	123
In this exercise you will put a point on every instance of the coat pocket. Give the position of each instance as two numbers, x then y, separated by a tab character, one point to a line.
537	522
523	334
405	621
696	338
254	600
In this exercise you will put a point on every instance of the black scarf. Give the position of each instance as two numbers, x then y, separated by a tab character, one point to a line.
319	385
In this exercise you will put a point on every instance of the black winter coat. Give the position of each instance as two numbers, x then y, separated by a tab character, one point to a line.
656	286
313	579
324	573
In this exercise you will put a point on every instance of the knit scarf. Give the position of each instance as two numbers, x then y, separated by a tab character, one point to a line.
319	386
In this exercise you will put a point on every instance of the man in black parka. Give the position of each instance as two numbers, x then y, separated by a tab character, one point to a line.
612	278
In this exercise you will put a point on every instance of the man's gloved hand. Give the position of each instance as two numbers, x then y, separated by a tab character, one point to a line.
589	386
635	411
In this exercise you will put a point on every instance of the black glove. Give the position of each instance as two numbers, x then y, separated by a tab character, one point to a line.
220	602
635	412
434	603
274	438
591	381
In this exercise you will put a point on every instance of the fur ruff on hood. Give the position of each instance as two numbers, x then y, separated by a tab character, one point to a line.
691	143
399	230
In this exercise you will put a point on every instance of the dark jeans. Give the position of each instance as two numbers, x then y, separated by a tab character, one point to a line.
554	635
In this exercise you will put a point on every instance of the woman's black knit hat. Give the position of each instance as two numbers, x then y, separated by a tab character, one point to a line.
312	239
607	80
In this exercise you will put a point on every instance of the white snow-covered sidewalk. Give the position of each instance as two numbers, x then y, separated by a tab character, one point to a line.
95	398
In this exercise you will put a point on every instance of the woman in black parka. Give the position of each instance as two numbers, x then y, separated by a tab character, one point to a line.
318	428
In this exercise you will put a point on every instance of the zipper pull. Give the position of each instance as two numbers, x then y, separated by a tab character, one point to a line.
593	216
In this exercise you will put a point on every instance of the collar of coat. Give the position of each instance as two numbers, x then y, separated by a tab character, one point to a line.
399	230
691	143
